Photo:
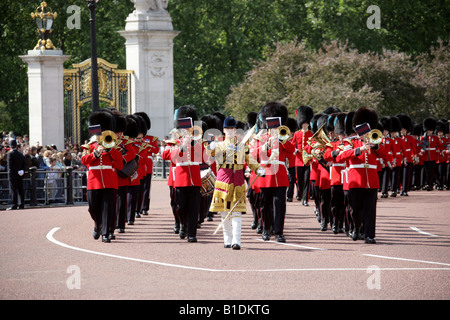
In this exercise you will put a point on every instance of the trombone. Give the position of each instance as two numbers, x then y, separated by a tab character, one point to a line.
108	139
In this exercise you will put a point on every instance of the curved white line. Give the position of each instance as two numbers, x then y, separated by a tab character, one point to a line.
423	232
404	259
50	237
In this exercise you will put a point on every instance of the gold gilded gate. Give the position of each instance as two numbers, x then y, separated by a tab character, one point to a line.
114	87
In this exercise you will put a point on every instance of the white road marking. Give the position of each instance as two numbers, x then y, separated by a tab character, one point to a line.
404	259
423	232
292	245
50	237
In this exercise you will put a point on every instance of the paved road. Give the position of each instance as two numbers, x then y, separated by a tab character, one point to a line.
49	253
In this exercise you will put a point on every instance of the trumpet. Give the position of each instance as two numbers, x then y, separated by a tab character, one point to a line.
108	139
306	157
284	133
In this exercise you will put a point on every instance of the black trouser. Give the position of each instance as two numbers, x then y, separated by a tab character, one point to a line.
132	197
303	174
348	212
316	194
16	186
395	181
292	182
325	207
337	205
188	202
429	172
173	204
102	207
143	201
255	203
364	207
386	179
407	176
417	176
273	207
121	207
441	169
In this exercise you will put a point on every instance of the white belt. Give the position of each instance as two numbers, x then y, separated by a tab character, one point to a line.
273	162
362	165
188	163
100	167
430	149
150	157
408	149
397	153
339	164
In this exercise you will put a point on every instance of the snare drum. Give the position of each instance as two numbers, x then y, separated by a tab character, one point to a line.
208	181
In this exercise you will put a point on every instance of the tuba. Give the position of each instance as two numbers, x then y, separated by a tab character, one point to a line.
318	149
108	139
306	157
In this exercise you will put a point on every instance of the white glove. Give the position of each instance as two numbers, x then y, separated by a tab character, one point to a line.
20	172
212	145
261	172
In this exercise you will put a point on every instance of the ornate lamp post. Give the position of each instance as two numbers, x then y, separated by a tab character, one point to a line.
92	5
44	17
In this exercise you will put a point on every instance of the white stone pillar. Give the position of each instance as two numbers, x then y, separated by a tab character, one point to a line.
46	96
149	38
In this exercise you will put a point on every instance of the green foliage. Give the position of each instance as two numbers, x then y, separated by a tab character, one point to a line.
221	41
337	75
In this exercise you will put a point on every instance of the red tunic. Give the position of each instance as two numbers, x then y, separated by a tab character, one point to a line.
128	154
102	170
299	141
362	167
187	165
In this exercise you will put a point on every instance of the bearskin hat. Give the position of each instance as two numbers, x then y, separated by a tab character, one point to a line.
339	123
241	125
211	121
146	118
304	114
121	123
274	109
142	124
313	123
348	123
104	118
396	124
417	129
322	121
429	124
386	123
133	128
331	110
185	112
251	118
291	123
440	126
363	115
406	122
330	121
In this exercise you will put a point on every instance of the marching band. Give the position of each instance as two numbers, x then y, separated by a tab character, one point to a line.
341	160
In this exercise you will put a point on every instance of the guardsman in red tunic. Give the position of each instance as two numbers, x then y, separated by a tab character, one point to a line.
363	182
187	158
399	154
336	181
429	146
166	156
102	182
417	175
272	154
447	155
129	155
441	163
299	140
152	148
293	126
387	143
410	152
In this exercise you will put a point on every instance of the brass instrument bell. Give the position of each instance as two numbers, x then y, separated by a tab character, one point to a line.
375	136
284	133
108	139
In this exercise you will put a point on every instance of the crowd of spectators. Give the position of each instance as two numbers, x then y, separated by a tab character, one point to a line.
50	159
